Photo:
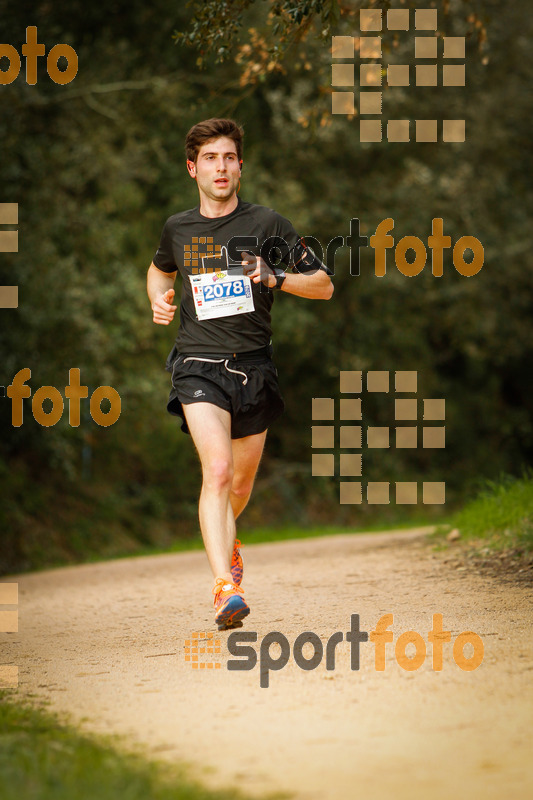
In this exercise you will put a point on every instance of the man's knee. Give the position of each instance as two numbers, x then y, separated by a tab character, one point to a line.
242	486
218	473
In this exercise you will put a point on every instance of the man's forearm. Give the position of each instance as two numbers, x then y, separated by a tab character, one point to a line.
158	282
317	286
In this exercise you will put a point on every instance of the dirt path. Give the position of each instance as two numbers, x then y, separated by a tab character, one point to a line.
106	643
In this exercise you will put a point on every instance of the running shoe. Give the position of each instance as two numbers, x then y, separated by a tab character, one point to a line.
236	563
230	605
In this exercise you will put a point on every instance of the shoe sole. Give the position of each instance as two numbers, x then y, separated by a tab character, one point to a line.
233	613
237	624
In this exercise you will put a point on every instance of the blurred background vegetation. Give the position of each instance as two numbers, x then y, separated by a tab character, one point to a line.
97	166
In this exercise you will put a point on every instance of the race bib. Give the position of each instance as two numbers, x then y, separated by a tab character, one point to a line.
219	294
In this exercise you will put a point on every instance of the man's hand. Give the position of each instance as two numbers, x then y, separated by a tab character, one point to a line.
163	309
258	270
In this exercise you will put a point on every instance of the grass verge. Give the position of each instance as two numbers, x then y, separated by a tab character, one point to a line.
41	759
500	518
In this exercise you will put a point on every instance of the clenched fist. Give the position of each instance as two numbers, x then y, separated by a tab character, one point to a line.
163	309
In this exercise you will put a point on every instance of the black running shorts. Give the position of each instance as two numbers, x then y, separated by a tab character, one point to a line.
246	385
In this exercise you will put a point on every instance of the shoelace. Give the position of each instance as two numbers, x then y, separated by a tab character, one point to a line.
220	582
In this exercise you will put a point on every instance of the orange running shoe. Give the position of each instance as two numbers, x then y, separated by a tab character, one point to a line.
230	605
236	563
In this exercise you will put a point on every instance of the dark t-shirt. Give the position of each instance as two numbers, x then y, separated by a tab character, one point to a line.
191	244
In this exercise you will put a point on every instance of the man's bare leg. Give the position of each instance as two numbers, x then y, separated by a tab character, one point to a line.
229	468
210	428
247	454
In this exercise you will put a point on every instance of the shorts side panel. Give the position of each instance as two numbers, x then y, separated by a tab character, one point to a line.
258	403
192	384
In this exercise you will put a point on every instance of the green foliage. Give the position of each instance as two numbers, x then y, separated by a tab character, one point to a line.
97	166
501	514
216	26
41	759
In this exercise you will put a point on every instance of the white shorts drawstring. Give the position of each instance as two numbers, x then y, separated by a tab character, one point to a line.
237	372
218	361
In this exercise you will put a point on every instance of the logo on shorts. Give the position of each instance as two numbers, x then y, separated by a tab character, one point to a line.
199	393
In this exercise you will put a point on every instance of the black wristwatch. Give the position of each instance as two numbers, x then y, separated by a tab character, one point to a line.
280	277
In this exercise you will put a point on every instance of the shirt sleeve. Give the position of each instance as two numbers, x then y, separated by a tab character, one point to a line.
164	257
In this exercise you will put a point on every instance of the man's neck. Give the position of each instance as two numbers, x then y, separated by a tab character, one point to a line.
218	208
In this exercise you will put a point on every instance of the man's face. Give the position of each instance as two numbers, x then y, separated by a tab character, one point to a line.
217	169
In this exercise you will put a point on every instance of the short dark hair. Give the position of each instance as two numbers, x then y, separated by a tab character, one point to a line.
211	129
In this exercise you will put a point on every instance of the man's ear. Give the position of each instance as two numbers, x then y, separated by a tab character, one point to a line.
191	167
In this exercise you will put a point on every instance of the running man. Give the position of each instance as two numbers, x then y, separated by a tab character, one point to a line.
224	384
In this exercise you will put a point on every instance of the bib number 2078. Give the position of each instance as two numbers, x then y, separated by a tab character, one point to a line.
230	289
